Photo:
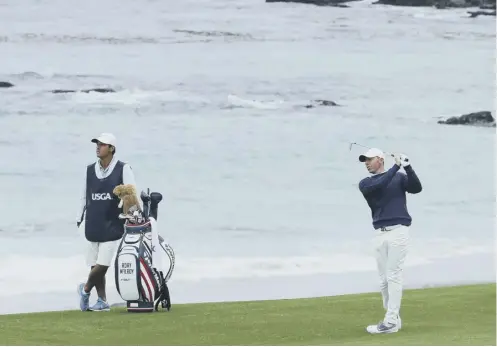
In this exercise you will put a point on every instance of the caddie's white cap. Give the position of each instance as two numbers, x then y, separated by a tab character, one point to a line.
106	138
371	153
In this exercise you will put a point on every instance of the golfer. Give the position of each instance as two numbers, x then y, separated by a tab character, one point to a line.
103	228
385	193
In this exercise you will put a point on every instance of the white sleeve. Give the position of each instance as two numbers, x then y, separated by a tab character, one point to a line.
129	178
82	207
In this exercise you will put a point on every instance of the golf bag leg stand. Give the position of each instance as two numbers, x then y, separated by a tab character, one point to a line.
163	298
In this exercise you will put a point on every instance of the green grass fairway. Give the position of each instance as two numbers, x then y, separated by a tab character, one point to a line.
462	315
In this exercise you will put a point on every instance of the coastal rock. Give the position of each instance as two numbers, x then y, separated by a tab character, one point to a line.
6	84
481	118
440	4
332	3
316	103
96	90
473	14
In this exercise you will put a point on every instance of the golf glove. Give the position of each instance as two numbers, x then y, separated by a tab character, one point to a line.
404	160
397	159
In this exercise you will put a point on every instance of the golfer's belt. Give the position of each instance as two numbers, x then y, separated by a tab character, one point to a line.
389	227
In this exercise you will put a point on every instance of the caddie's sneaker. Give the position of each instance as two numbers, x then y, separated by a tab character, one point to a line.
399	322
100	306
382	328
84	298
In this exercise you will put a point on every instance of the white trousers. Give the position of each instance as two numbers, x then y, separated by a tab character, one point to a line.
390	251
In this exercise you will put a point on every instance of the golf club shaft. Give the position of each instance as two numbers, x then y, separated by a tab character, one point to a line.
358	144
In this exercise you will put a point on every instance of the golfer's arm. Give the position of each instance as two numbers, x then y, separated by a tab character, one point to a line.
129	178
372	184
412	182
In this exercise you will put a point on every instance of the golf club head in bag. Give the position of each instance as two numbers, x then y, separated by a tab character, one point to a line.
144	261
151	203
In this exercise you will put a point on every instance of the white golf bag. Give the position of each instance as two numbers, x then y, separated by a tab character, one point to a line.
144	261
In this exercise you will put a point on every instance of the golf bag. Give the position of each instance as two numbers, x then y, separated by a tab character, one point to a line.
144	261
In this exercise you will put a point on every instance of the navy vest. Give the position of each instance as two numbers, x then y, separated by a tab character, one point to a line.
102	221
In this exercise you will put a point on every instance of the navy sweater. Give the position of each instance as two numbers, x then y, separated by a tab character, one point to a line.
385	194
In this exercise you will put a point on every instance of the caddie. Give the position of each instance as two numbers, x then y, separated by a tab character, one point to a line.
100	210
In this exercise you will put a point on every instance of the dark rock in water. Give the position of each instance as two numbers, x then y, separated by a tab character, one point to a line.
326	103
59	91
482	118
440	4
97	90
404	2
473	14
321	103
332	3
6	84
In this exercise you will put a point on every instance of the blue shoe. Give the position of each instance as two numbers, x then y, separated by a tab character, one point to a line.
84	298
100	306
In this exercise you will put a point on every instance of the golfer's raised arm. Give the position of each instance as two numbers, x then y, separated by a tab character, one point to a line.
412	183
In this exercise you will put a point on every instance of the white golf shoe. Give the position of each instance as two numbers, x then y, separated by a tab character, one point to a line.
382	328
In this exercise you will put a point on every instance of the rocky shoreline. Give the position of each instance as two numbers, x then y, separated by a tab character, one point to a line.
479	118
485	6
4	84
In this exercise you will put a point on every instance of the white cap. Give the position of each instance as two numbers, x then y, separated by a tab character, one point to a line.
106	138
371	153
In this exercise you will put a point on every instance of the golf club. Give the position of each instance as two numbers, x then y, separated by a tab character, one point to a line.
358	144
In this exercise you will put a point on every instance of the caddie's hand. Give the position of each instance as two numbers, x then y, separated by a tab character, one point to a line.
404	160
397	159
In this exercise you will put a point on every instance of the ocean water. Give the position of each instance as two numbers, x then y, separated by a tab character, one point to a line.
259	192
